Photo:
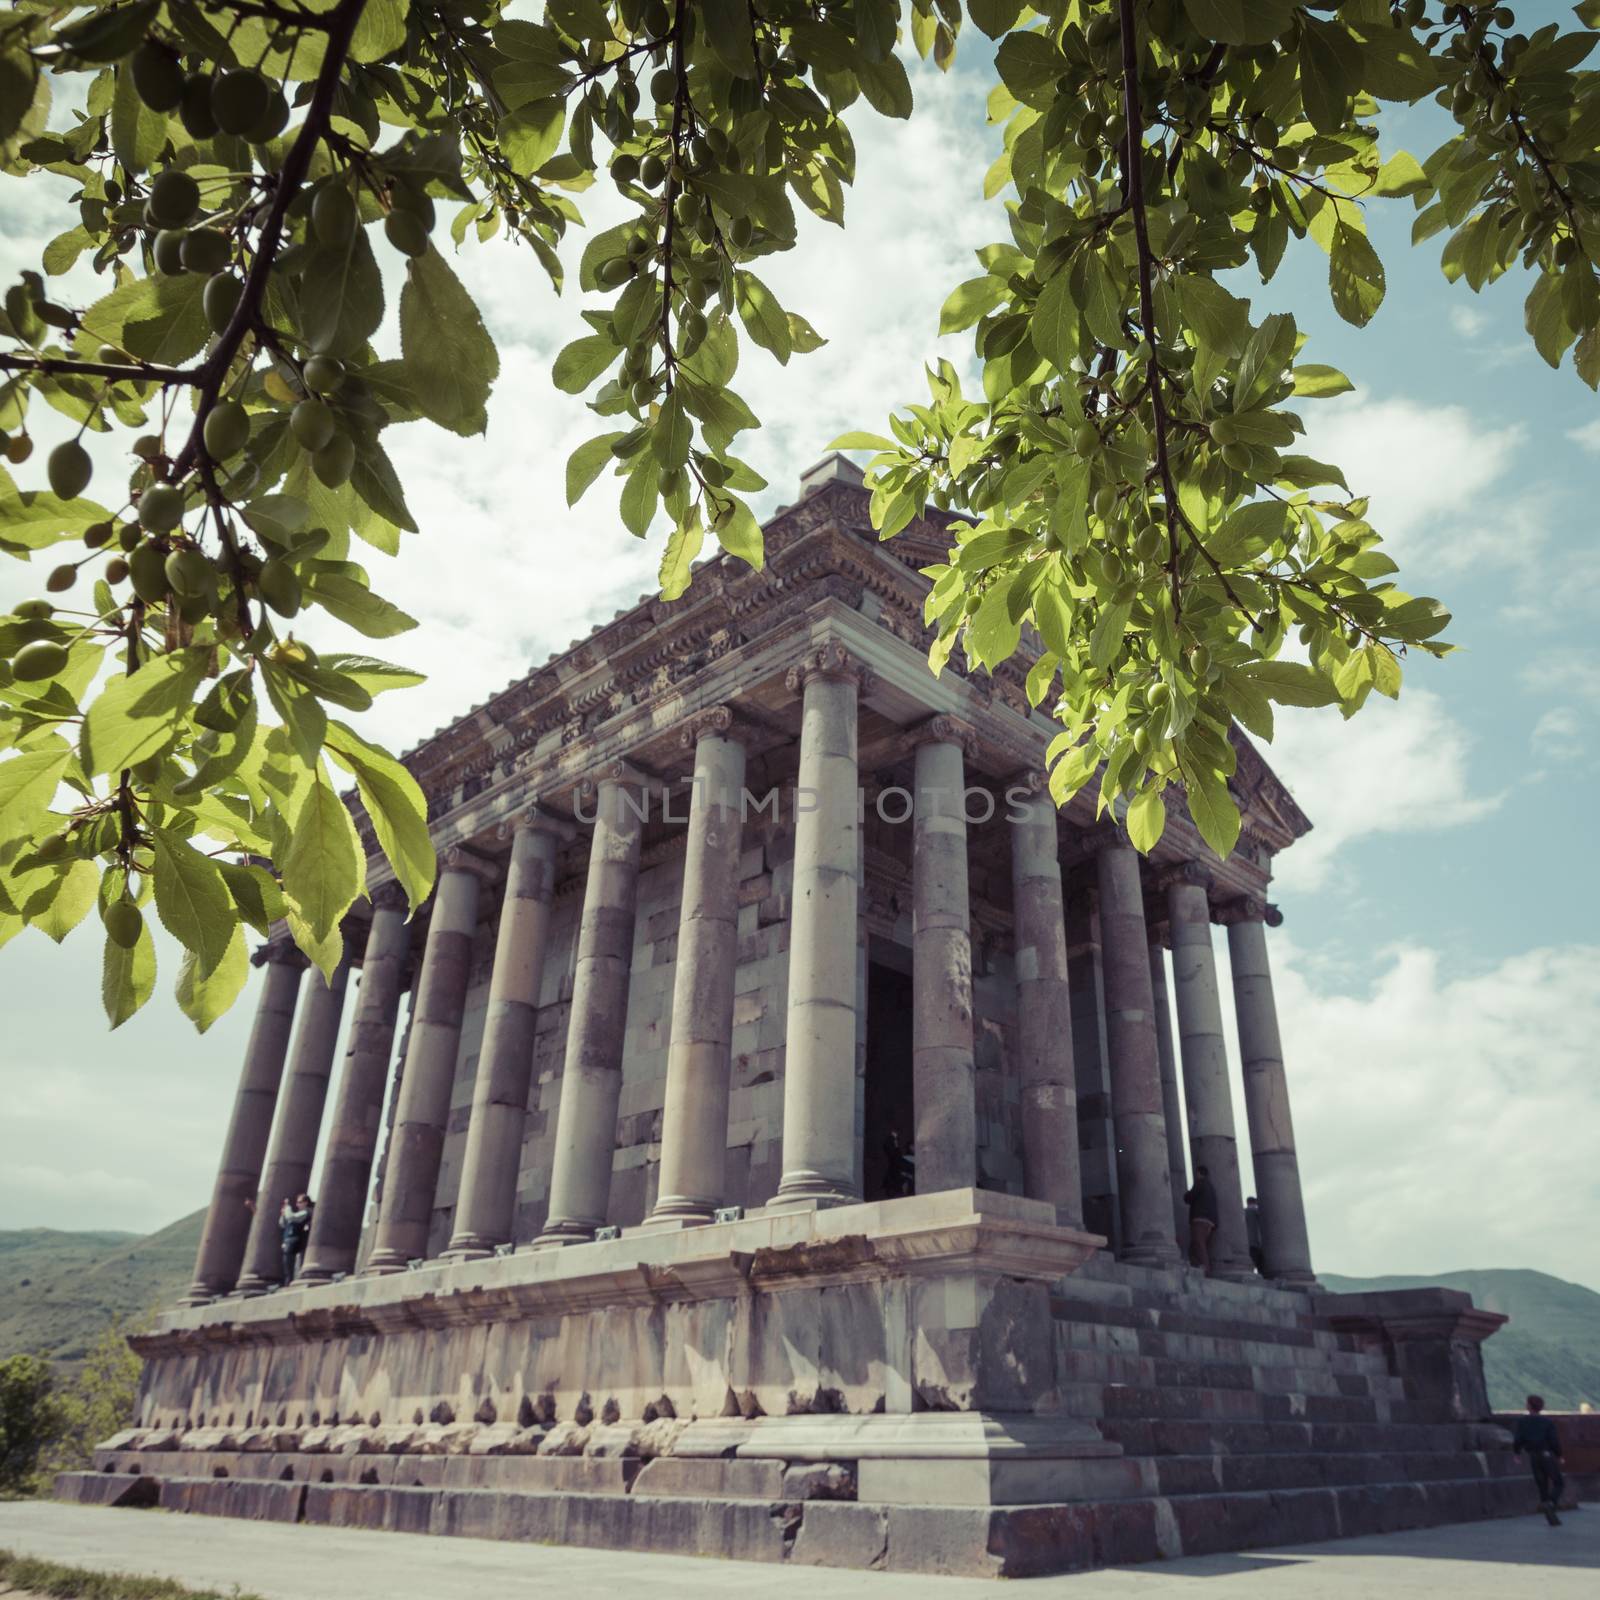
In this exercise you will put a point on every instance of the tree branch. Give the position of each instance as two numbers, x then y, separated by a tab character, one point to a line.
66	366
341	27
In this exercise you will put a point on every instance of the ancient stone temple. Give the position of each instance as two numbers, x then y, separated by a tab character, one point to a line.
771	1142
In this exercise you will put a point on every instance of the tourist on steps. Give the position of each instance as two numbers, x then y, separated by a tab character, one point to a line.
1202	1203
1252	1234
1536	1434
294	1229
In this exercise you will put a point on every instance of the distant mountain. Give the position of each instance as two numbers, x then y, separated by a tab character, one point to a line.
59	1290
1551	1346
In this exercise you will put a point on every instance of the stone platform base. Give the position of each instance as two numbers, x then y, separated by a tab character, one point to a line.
947	1383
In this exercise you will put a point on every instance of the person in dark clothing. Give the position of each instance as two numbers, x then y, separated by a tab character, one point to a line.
1536	1434
899	1169
1252	1234
294	1230
1202	1203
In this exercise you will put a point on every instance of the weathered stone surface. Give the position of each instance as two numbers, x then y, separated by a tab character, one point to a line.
819	1480
565	1439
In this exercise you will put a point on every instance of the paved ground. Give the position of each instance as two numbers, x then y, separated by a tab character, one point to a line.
1505	1559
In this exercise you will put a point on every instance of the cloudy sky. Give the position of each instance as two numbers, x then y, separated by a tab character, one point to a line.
1437	966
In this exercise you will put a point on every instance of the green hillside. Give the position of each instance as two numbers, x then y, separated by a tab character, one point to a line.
59	1290
1551	1346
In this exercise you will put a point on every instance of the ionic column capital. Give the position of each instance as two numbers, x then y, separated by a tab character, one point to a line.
618	771
1247	908
280	952
458	858
1033	781
829	659
943	729
1191	873
532	819
1108	836
715	722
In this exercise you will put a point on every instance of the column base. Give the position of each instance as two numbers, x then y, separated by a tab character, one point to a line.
201	1294
809	1191
471	1247
1147	1254
251	1287
567	1230
383	1262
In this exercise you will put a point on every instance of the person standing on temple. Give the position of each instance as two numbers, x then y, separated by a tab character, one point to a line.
1536	1434
294	1230
1202	1203
1252	1234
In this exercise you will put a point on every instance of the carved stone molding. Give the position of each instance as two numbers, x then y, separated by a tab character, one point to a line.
830	659
1191	872
716	722
279	952
533	819
1034	781
944	729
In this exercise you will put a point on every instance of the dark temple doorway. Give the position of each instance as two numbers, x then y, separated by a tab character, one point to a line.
888	1107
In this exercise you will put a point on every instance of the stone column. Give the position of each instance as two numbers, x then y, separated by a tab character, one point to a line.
412	1173
819	1075
1050	1167
1284	1240
1097	1161
591	1076
358	1110
1144	1188
1171	1104
943	1072
694	1120
298	1123
227	1225
488	1193
1212	1143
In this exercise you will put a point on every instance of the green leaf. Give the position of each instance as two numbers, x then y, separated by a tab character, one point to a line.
993	633
322	868
672	435
1106	640
158	319
582	361
1330	72
639	495
764	319
354	603
192	899
396	805
28	783
134	717
203	995
127	977
449	356
372	674
728	31
886	86
677	562
1147	819
1240	21
1054	324
1292	684
1355	276
1211	806
862	441
969	301
138	134
255	893
1319	381
70	905
531	134
1221	321
1030	66
740	535
587	462
341	297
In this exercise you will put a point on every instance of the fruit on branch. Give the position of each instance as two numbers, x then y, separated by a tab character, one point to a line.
69	469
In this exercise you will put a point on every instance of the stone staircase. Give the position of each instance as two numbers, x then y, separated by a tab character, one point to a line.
1245	1419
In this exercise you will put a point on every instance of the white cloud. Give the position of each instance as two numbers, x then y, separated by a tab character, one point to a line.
1588	436
1428	470
1560	735
1440	1111
1397	767
1467	322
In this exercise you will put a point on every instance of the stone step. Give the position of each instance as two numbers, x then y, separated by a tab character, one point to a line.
1154	1288
988	1541
1278	1377
1123	1339
1204	1319
1233	1403
1237	1436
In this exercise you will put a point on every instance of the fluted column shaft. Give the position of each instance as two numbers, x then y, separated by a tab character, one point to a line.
1171	1104
1050	1166
591	1076
694	1119
1138	1119
416	1147
358	1109
227	1225
1285	1243
488	1195
298	1123
819	1075
943	1073
1212	1141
